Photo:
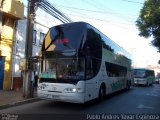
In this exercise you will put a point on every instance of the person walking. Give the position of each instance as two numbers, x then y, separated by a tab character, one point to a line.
32	85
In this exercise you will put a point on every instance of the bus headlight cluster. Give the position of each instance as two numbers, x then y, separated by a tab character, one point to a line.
42	86
72	90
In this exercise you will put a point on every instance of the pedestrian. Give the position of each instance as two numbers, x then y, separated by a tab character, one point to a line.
36	78
32	85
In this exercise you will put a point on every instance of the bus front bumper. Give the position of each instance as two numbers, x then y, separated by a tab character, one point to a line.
140	82
65	97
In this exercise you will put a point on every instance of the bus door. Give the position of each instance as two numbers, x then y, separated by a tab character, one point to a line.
91	82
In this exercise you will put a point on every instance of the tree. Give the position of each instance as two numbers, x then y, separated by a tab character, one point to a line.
148	21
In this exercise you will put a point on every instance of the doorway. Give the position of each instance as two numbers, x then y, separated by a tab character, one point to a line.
1	72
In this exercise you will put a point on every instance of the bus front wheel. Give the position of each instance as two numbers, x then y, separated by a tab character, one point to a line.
101	93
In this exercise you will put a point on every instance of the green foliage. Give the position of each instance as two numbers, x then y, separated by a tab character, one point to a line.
148	21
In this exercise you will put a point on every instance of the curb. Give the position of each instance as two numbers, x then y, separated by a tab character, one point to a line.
19	103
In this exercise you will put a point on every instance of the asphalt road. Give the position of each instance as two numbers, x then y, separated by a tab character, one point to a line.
138	100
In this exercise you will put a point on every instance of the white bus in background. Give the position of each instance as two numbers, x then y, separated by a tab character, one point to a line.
79	63
157	78
143	76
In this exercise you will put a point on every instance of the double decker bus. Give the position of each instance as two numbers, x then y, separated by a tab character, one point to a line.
143	76
79	63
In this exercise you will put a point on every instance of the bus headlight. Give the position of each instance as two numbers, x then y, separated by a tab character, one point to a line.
42	86
72	90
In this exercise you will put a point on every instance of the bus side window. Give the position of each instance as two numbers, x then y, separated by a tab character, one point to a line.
96	66
89	70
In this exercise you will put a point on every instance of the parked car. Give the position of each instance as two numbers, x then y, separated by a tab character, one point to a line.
157	80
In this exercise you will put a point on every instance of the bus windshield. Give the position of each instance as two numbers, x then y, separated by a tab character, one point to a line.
63	70
139	73
64	37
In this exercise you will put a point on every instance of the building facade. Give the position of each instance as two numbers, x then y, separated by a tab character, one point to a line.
11	11
39	32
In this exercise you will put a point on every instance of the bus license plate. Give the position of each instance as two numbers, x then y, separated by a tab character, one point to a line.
53	96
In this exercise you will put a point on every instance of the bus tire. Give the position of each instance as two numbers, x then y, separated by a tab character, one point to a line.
128	86
101	93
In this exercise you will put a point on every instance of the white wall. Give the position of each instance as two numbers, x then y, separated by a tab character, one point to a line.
19	46
43	22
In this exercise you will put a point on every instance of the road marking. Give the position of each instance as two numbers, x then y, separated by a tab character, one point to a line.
152	95
144	107
156	89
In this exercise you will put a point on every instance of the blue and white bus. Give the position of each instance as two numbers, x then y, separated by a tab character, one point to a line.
79	63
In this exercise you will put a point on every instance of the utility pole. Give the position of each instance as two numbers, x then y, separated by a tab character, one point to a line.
28	49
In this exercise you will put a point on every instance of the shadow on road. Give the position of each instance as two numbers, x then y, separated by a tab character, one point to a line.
88	105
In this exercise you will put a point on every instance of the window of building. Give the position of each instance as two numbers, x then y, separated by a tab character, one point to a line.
34	36
42	35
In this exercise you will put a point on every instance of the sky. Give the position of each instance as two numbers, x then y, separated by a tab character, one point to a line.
115	18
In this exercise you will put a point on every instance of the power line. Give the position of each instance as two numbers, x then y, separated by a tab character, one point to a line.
85	15
41	24
58	11
94	11
106	21
132	1
104	11
49	10
101	20
49	22
89	17
81	15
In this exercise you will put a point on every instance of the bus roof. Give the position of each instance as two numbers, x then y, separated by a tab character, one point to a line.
82	27
143	69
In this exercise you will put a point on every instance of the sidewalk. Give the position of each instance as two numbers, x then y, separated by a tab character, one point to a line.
9	98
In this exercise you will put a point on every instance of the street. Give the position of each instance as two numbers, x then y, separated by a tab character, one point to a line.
138	100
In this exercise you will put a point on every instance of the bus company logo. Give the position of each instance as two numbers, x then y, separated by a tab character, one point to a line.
62	41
